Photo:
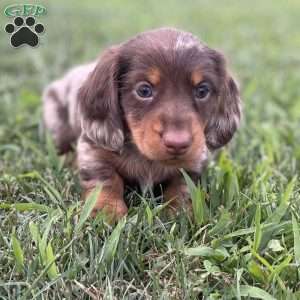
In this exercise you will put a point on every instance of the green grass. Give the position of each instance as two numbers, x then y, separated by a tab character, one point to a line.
244	242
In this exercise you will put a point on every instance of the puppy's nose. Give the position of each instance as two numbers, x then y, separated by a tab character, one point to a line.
177	142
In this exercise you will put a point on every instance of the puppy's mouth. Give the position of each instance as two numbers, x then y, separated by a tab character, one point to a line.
174	160
168	159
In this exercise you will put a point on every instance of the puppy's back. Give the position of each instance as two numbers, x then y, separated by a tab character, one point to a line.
59	106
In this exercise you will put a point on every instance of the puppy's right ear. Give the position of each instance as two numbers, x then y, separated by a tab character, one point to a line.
98	103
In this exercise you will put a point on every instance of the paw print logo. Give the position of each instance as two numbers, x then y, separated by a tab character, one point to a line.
24	33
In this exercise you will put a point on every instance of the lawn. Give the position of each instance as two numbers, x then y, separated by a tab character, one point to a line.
244	242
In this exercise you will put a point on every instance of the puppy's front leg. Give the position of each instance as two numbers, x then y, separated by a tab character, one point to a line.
95	168
177	194
110	200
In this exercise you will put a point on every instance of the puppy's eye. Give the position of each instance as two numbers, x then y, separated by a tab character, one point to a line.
202	91
144	90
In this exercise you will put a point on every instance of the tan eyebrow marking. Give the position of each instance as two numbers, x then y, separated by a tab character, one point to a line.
154	76
196	77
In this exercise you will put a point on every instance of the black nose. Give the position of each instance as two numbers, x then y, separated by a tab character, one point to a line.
177	142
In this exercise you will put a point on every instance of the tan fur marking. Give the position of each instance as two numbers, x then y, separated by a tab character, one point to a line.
154	76
157	127
197	77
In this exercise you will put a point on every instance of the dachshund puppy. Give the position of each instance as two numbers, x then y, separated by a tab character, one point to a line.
159	102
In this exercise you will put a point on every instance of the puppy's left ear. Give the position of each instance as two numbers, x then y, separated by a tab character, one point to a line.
226	114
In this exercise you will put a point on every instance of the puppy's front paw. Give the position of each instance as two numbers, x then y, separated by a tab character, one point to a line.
114	209
112	205
179	199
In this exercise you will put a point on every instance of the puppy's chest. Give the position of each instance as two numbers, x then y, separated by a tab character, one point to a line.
134	167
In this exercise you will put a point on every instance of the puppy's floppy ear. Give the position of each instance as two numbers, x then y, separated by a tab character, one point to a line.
99	107
226	115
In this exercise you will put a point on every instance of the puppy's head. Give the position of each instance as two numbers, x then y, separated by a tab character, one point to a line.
171	94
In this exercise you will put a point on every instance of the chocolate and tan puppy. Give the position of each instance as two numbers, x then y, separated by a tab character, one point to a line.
158	102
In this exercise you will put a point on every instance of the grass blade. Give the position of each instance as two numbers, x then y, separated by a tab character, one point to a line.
257	271
43	241
198	199
254	292
190	183
296	232
113	241
200	209
88	207
21	207
231	187
18	253
258	230
52	272
204	251
238	285
35	234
